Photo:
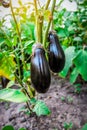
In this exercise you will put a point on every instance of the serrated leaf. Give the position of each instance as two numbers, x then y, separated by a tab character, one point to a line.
12	95
73	75
41	108
80	62
69	54
84	127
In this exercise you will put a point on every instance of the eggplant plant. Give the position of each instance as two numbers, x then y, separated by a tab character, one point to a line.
23	53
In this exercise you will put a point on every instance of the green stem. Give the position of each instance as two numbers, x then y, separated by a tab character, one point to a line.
47	4
22	52
36	16
49	23
19	35
39	24
18	32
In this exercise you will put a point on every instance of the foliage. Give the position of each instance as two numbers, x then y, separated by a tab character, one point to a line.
68	126
41	109
12	95
84	127
10	127
72	31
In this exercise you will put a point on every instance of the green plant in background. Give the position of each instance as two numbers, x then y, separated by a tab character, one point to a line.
72	30
68	126
10	127
84	127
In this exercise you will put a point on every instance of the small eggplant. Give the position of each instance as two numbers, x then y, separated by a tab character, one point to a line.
5	4
56	56
4	82
40	72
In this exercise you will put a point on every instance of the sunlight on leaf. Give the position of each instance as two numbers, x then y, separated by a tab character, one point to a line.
12	95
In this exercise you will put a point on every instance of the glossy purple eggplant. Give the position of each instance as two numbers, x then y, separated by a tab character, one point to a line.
4	82
56	56
40	72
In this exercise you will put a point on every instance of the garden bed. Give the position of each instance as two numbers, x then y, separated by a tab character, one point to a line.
66	107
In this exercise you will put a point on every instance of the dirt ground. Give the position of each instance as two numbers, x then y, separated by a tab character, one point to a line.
65	105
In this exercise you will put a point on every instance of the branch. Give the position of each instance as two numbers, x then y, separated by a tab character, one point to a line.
49	23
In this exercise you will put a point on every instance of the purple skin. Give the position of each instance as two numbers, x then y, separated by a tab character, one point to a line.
56	56
40	73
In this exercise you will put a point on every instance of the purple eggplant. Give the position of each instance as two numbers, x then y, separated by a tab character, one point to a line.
40	72
56	56
4	82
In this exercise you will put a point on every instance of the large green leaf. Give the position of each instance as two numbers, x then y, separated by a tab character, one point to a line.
80	62
41	108
12	95
69	54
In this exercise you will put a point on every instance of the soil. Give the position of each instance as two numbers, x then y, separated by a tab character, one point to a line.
65	105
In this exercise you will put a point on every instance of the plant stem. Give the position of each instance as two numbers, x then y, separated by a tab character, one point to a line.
49	23
19	35
47	4
39	24
18	32
36	15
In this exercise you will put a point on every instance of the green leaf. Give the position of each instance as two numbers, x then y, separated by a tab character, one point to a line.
63	32
80	62
21	129
41	108
7	66
77	39
28	46
84	127
8	127
33	101
69	54
12	95
10	84
73	75
47	14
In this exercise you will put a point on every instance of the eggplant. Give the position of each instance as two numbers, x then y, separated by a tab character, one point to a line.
56	56
4	82
39	68
5	4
